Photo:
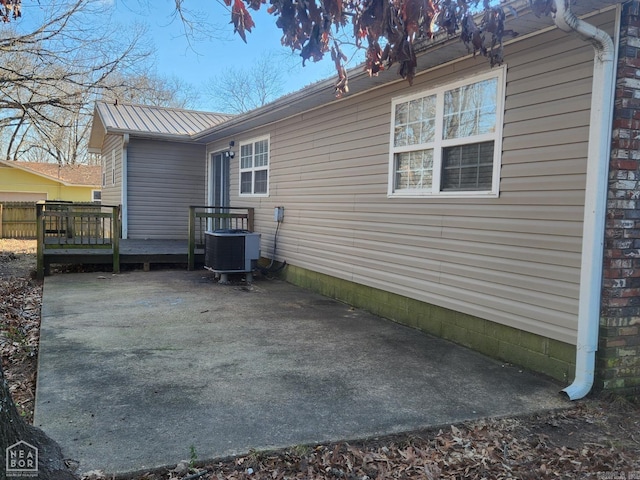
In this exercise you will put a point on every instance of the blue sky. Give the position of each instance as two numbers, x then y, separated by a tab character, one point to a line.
197	59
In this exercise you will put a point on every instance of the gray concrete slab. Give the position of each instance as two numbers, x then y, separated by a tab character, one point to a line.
136	369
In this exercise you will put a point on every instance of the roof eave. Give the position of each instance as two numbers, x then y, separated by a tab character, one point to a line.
98	131
169	137
437	51
323	92
107	121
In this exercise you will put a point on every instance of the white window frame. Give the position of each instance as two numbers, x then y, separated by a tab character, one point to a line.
93	196
439	144
253	168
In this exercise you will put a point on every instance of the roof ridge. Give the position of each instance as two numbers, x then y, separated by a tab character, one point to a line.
159	107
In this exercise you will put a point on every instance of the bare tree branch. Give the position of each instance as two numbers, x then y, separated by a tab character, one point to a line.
50	74
240	90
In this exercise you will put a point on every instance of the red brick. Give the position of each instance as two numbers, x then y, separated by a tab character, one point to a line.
612	273
633	61
627	71
625	164
623	123
619	263
626	143
630	292
629	330
614	342
618	302
631	102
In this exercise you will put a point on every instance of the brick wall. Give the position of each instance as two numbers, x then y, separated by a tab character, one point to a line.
618	359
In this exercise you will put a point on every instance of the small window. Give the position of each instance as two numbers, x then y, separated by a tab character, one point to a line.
96	196
254	167
447	141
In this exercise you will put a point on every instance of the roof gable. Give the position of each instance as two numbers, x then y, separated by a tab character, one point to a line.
144	120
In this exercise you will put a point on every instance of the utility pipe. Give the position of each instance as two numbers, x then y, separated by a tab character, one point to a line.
595	195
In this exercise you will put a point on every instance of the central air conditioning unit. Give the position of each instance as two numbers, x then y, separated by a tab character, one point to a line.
231	251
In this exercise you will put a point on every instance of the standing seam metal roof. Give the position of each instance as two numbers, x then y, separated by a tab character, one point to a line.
157	120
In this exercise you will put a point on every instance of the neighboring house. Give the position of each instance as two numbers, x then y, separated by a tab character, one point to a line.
31	181
470	205
151	166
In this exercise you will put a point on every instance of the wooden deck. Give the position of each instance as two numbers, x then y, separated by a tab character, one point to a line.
88	233
142	252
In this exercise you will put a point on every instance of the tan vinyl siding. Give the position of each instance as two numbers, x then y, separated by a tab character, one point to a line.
112	193
513	259
164	179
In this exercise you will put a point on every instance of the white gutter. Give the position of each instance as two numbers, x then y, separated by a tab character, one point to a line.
123	187
595	195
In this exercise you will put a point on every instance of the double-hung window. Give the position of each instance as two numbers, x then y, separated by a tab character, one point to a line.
254	167
447	141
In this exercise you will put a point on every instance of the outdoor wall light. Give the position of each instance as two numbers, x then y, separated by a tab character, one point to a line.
230	153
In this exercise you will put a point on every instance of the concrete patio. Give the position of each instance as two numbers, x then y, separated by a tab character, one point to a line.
137	369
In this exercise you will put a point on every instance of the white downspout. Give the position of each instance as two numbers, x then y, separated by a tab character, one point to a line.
595	195
124	187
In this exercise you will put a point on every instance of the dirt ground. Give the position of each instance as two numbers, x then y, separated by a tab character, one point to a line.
595	438
17	258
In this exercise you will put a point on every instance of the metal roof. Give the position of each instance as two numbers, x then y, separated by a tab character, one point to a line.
203	127
150	121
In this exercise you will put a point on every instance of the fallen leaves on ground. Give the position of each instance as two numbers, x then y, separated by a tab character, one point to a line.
20	303
594	439
512	448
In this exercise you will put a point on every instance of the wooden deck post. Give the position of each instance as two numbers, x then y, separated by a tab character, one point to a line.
250	213
191	247
115	239
40	241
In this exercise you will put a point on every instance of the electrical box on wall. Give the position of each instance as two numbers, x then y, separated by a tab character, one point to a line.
278	214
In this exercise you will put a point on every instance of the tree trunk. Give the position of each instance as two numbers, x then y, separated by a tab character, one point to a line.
13	429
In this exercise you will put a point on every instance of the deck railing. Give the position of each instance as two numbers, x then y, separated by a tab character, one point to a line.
64	225
210	218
